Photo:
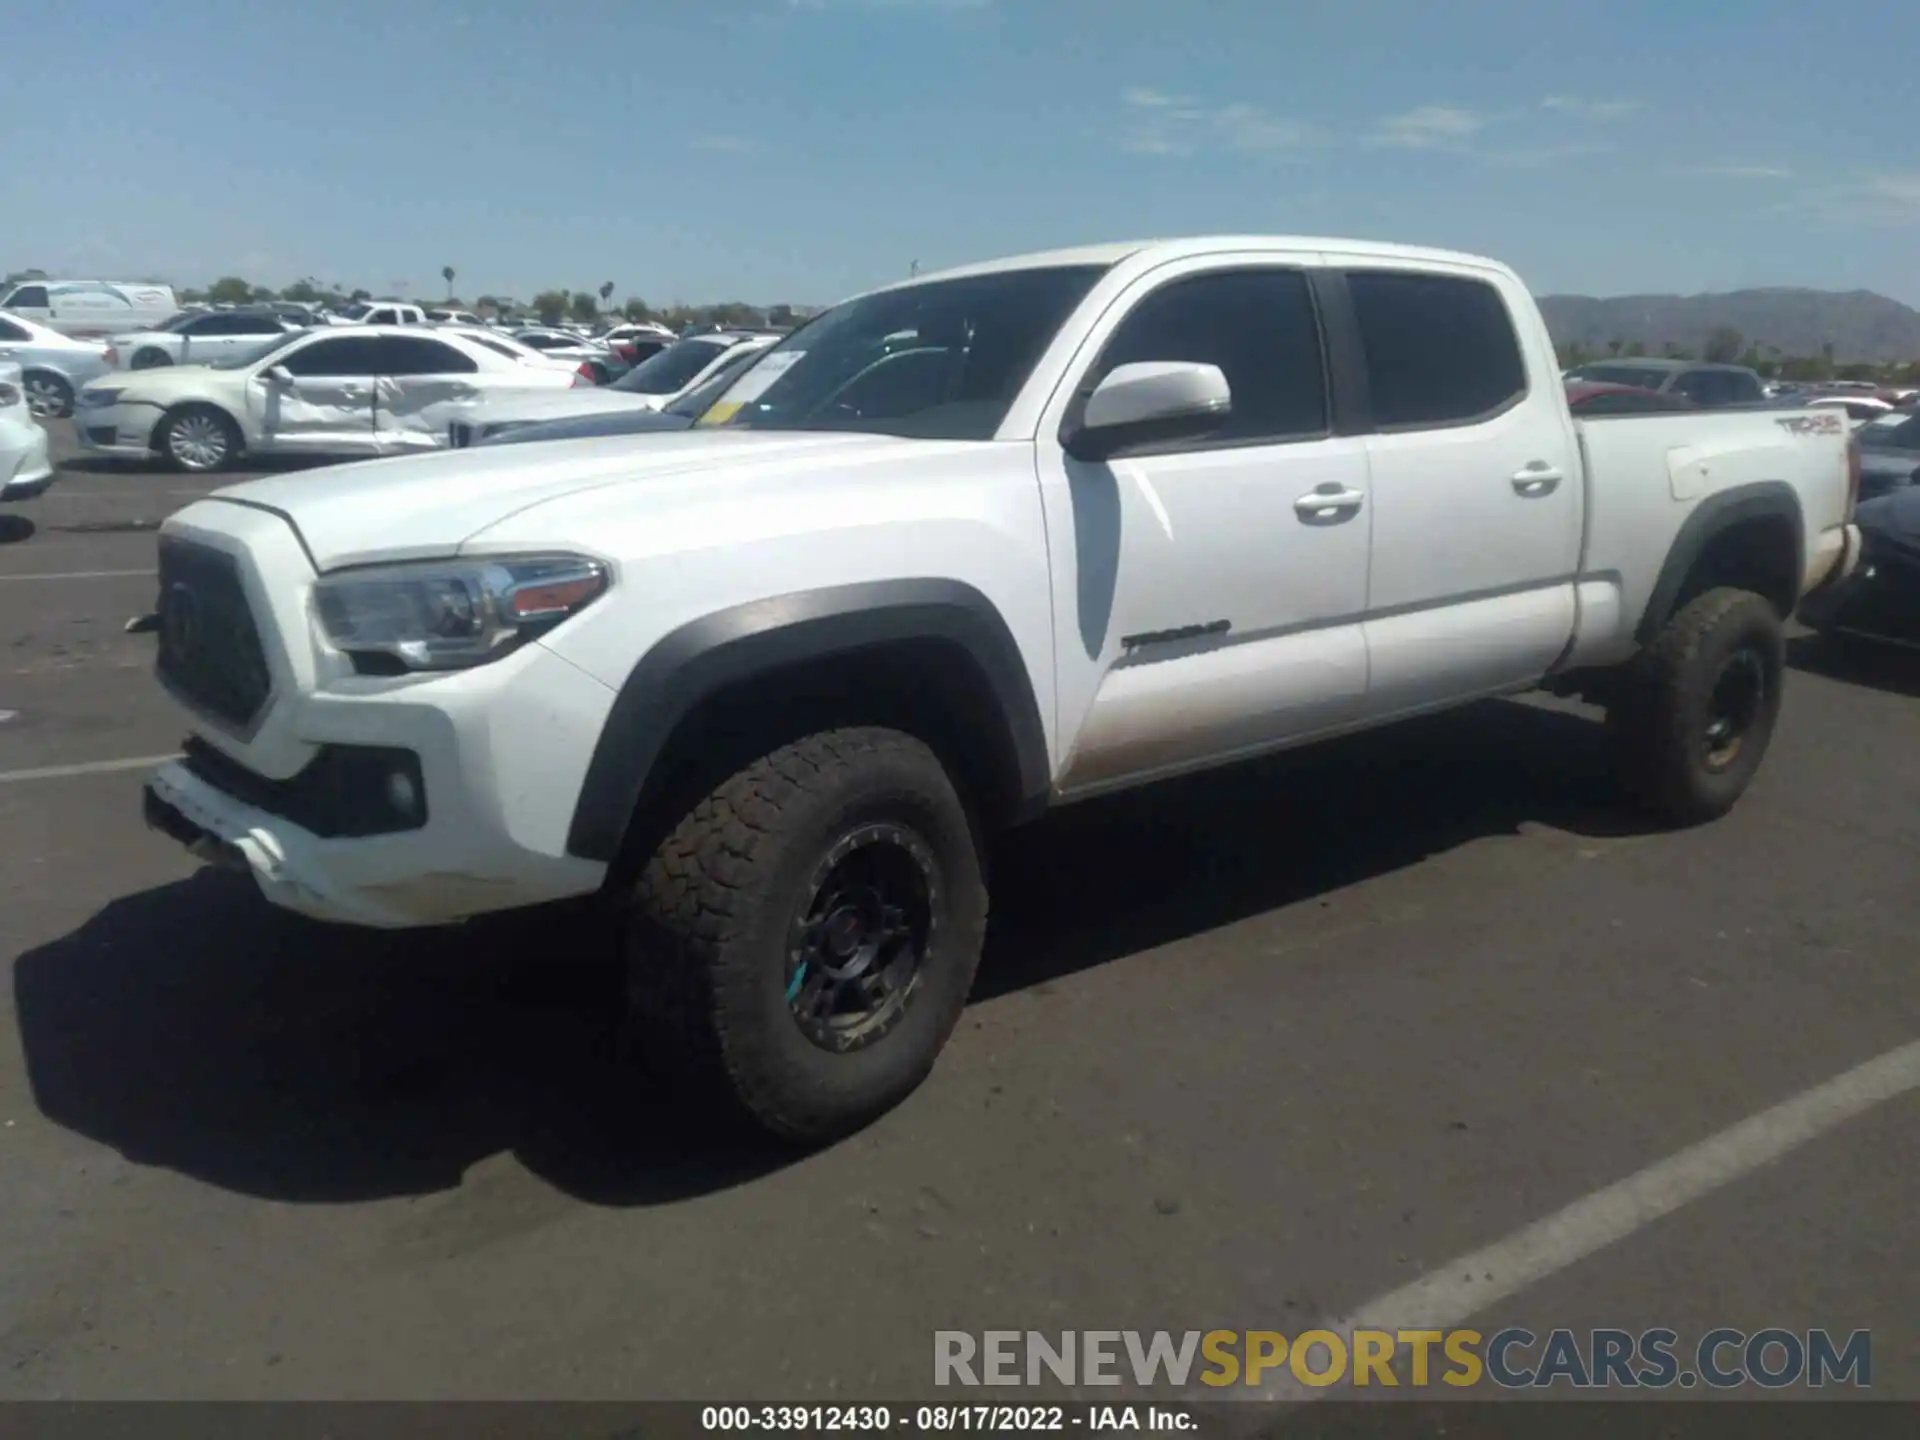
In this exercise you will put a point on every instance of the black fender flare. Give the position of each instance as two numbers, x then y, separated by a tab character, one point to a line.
1717	513
704	656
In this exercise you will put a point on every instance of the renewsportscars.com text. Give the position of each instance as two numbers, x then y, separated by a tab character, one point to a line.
1512	1358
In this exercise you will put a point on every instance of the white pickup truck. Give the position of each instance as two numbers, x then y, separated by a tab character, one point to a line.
960	550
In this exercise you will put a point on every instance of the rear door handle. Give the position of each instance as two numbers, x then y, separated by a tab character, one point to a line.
1537	480
1328	503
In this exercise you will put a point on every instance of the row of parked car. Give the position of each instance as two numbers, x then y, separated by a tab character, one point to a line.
206	387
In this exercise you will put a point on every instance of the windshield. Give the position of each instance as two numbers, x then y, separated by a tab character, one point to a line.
673	368
243	358
1646	377
941	360
696	401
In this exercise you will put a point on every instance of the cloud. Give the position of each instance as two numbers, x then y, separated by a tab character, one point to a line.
1737	171
1599	110
1899	190
896	5
728	144
1530	157
1159	123
1430	127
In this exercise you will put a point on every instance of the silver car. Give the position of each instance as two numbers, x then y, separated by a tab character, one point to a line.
53	366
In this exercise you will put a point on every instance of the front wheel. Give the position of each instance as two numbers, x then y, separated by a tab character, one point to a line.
149	360
805	938
198	439
1696	708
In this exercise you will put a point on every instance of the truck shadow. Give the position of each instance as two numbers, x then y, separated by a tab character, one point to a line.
194	1028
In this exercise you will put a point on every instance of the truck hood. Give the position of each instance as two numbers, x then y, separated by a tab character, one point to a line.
426	506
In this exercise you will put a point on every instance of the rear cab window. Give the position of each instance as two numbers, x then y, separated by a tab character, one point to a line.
1440	350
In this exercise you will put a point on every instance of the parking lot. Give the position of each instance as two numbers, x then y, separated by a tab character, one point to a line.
1247	1052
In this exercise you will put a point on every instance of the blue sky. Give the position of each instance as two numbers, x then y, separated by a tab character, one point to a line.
805	149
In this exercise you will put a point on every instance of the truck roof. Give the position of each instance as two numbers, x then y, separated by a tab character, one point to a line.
1162	250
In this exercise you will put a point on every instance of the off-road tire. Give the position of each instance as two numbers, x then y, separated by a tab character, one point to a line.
1659	717
707	931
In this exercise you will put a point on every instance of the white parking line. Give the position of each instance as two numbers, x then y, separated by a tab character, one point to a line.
78	574
1466	1286
88	767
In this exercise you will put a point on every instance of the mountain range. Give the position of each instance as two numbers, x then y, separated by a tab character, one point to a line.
1860	325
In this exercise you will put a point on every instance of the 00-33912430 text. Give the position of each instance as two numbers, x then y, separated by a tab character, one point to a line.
926	1419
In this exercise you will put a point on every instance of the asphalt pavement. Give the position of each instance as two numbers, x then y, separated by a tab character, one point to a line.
1247	1052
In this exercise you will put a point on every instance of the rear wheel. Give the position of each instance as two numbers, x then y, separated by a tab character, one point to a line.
198	439
1696	708
49	396
804	940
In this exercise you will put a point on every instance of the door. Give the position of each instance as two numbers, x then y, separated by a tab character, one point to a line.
326	405
423	384
1208	592
1477	498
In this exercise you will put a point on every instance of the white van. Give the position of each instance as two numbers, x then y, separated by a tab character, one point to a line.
92	307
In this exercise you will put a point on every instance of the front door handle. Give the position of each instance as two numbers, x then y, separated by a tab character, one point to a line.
1536	480
1328	503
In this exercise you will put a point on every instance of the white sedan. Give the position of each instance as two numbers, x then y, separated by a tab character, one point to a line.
358	391
660	380
25	467
637	390
196	339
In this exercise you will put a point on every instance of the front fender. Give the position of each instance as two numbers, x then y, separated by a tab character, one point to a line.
706	655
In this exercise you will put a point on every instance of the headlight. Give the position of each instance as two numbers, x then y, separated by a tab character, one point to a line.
9	395
92	399
454	614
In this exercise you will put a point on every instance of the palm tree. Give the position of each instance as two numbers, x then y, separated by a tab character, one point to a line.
606	293
446	274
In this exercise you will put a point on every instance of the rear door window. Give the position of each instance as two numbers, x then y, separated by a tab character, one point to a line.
411	355
1440	349
28	297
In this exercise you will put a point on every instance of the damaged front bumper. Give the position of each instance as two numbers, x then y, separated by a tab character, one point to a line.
435	873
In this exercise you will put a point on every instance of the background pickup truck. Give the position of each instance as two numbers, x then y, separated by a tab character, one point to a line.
960	550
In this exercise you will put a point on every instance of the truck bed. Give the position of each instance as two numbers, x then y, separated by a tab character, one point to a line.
1699	453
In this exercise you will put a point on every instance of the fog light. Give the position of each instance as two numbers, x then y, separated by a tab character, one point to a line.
402	793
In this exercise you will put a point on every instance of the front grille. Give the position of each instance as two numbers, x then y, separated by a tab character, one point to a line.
210	653
345	791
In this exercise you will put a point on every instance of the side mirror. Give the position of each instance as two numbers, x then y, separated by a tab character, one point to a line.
1152	400
277	374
